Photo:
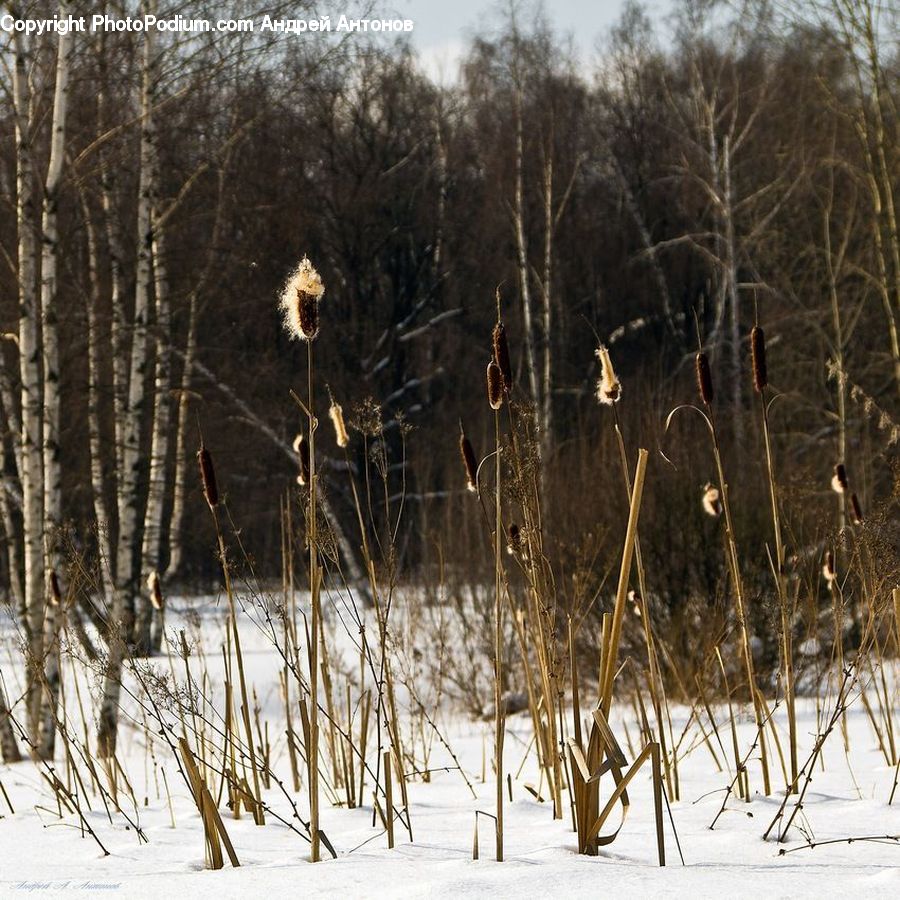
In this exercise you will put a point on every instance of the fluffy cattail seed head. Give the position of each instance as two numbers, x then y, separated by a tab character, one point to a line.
494	385
758	359
208	477
469	461
828	572
711	500
336	414
299	301
156	595
856	509
608	388
839	483
301	448
704	379
501	355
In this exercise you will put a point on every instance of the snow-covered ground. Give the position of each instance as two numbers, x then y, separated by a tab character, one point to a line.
848	797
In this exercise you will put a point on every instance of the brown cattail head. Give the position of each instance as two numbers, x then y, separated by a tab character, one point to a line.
856	509
53	591
704	379
336	414
758	359
501	355
301	448
514	540
156	594
712	501
839	483
608	388
469	461
299	301
208	477
494	385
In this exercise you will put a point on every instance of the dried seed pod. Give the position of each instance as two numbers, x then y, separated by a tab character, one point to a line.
839	483
704	379
856	509
494	385
501	355
208	477
301	448
336	414
758	359
469	461
711	500
609	390
156	594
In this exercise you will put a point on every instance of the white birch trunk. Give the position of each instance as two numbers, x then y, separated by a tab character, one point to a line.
30	374
522	265
151	549
121	623
176	525
50	358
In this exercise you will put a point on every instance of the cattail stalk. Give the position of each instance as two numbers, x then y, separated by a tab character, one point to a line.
760	383
705	387
499	712
211	493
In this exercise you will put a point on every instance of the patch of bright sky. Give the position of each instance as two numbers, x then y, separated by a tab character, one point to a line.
443	28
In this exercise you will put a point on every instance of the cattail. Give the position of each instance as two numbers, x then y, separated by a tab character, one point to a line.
301	448
856	509
501	355
156	595
839	483
53	588
299	301
208	477
636	600
514	540
704	379
494	385
758	359
828	572
608	388
469	461
336	414
712	503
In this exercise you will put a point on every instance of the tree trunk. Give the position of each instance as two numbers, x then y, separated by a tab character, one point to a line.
151	550
30	374
50	354
121	621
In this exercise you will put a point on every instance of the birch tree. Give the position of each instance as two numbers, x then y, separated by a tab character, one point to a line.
50	358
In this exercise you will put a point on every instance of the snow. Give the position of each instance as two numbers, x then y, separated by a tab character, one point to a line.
44	854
